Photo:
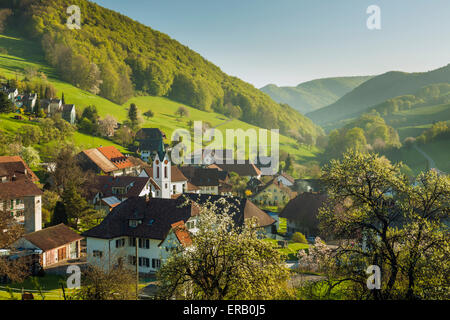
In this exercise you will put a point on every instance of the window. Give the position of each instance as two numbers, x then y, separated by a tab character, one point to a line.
174	187
165	172
144	262
132	260
97	253
120	243
134	223
144	243
156	263
132	242
157	173
190	225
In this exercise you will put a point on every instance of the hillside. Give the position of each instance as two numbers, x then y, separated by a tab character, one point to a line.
114	57
315	94
22	54
376	91
412	114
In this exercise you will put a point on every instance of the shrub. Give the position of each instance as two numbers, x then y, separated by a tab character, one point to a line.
299	237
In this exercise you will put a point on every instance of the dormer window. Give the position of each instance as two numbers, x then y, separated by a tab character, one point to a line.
133	223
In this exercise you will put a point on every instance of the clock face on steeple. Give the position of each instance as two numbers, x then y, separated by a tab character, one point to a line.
157	161
166	161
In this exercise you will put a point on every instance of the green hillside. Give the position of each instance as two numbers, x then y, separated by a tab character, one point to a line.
412	114
376	91
315	94
114	57
23	54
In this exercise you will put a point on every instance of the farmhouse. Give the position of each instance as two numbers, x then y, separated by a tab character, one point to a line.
274	193
107	160
53	245
302	211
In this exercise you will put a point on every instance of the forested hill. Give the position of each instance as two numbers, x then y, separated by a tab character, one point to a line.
315	94
376	91
115	57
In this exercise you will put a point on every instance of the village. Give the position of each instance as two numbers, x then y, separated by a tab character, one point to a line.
139	199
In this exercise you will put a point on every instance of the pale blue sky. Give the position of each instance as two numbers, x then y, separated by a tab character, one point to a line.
286	42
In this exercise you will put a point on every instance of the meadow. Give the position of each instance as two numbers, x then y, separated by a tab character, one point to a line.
23	54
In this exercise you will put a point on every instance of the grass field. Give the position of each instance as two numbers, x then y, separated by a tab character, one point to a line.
23	54
411	123
291	251
81	140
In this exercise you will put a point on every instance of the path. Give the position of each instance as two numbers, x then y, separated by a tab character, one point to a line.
431	163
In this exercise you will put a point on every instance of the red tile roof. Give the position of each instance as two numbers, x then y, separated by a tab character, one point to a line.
116	157
182	233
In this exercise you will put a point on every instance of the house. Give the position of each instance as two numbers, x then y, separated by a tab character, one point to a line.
53	245
246	169
274	193
302	211
51	106
29	101
108	161
209	181
26	101
11	92
106	192
19	194
286	179
149	227
151	142
69	113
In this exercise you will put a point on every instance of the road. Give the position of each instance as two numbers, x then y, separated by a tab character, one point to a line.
431	163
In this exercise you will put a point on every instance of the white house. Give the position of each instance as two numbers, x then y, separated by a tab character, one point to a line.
145	230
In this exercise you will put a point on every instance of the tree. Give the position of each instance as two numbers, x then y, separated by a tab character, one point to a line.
107	126
238	183
59	214
6	106
77	208
111	284
124	136
30	156
149	114
67	172
299	237
10	232
224	261
133	113
182	111
29	135
399	227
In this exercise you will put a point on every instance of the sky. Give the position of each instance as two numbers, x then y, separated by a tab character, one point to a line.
286	42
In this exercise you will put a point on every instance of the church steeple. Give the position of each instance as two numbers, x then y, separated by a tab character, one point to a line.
162	174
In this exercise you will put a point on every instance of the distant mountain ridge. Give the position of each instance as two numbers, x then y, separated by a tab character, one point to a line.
312	95
377	90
